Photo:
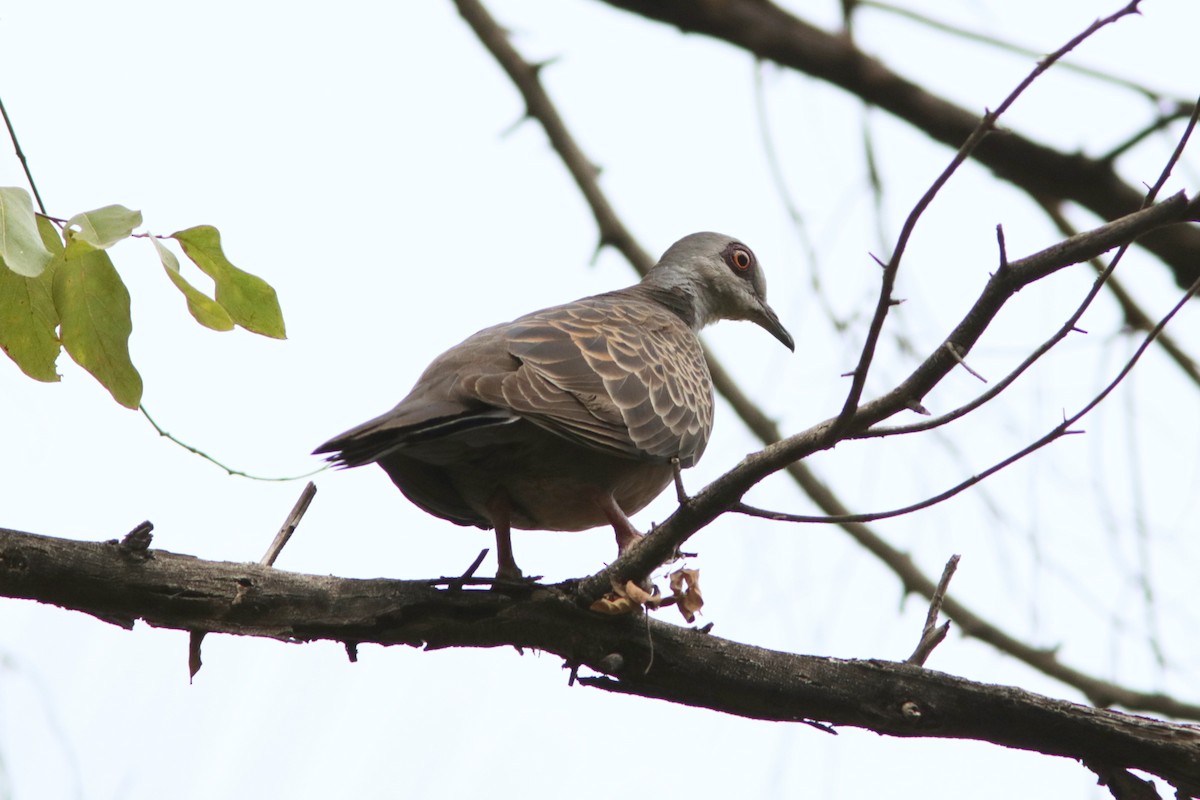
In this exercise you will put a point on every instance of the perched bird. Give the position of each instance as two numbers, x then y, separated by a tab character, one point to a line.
569	417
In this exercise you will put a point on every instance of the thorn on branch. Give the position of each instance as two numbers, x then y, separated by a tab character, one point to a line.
1003	249
536	67
352	651
915	406
517	123
958	356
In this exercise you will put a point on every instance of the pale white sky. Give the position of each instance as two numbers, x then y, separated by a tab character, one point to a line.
357	159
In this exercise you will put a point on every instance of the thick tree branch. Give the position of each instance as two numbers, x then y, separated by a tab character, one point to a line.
121	585
771	33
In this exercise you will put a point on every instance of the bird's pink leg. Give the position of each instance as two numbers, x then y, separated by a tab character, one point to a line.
500	512
627	534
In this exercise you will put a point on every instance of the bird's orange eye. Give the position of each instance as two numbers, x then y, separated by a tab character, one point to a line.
740	259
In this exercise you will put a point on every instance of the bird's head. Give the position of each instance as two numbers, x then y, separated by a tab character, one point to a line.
722	279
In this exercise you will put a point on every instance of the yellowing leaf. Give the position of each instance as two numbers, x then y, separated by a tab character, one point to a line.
206	310
103	227
27	322
685	587
250	301
93	308
21	247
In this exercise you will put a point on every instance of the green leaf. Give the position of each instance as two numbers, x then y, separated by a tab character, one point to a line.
21	248
93	307
50	235
28	320
103	227
206	310
250	301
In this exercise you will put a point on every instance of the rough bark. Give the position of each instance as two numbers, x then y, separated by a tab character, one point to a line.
121	582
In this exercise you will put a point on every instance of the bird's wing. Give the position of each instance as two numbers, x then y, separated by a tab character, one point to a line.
613	373
628	378
441	404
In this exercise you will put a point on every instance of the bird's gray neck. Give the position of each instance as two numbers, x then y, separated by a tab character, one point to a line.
679	296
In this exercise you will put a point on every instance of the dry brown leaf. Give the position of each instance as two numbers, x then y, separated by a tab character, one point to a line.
627	599
639	595
614	604
685	587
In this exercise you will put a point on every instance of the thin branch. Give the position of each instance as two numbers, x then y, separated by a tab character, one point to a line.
12	135
1072	321
1000	44
538	106
1057	432
289	525
986	125
932	635
1135	317
763	29
458	583
1180	111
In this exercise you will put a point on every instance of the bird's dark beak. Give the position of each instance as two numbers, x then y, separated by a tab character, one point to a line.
769	322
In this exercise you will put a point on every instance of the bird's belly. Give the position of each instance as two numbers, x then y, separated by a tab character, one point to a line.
549	483
564	501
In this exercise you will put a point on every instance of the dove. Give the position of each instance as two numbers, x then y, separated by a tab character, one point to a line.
570	417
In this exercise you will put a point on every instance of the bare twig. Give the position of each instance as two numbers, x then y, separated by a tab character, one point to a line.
196	637
12	135
289	525
1059	430
982	38
1135	317
458	583
765	30
962	362
986	125
1070	325
933	634
1180	111
538	106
